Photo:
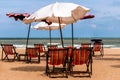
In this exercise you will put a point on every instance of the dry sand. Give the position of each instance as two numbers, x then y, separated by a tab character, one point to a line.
107	68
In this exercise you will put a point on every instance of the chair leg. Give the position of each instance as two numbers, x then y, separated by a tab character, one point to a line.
66	72
87	65
93	54
15	56
18	57
90	63
27	58
6	57
2	56
102	53
91	67
47	68
38	58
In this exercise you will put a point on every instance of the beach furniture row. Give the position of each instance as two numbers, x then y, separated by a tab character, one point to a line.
58	60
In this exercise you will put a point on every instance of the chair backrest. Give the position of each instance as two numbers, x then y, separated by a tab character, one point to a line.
40	46
52	46
70	51
80	56
97	46
57	56
86	45
33	52
8	48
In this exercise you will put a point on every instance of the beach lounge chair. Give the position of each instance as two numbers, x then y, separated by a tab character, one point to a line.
82	57
98	47
52	46
70	51
32	54
42	49
86	45
7	50
56	62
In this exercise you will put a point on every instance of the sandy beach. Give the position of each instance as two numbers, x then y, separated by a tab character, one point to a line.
106	68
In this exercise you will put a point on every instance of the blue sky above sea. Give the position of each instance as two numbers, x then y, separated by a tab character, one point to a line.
105	24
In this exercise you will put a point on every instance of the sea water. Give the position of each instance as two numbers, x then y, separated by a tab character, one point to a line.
21	42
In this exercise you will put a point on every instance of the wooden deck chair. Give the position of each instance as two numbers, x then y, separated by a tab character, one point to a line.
79	57
33	53
70	51
42	49
86	45
98	47
7	50
56	61
52	46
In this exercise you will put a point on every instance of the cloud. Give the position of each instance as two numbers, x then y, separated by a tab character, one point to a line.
106	9
93	26
115	3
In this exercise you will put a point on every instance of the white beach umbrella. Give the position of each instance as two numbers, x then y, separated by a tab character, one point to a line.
66	13
45	26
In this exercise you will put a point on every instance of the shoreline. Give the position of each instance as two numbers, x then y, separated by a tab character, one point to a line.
104	46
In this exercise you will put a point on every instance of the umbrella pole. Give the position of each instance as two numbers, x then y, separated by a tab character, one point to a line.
26	57
61	32
50	36
28	35
72	35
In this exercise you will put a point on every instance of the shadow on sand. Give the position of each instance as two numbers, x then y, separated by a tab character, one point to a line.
29	68
112	54
108	59
115	66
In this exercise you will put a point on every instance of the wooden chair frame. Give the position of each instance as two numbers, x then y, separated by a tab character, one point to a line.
42	49
79	57
56	57
52	46
98	47
86	45
8	49
33	53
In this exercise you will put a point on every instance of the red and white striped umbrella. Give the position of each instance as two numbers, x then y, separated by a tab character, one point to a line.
20	16
17	16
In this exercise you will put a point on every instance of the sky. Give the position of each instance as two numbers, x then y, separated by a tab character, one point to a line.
106	22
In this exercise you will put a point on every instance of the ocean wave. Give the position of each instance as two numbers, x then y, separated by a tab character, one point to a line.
21	42
76	45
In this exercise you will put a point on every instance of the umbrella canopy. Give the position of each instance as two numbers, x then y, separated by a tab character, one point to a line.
68	13
20	16
45	26
89	16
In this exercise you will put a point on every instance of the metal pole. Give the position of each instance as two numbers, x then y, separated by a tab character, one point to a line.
26	56
61	32
50	35
28	35
72	35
